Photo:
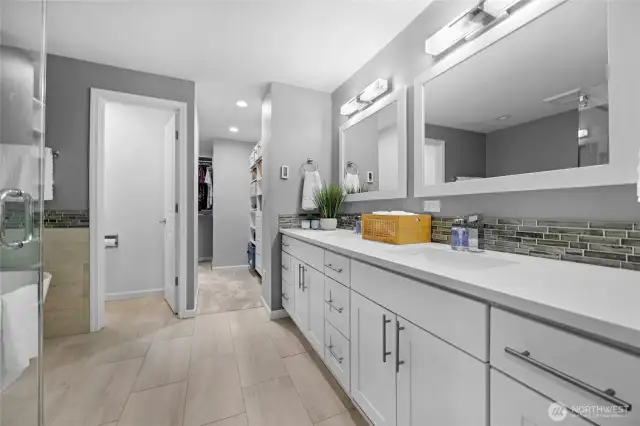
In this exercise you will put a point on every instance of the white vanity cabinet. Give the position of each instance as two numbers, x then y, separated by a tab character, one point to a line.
373	360
438	384
304	299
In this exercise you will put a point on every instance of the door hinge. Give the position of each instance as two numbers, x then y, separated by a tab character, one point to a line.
177	135
176	281
176	208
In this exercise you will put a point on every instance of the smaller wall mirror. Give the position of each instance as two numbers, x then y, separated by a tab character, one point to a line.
373	151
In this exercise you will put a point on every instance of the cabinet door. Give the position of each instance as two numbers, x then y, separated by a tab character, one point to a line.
514	404
314	289
438	384
300	296
373	368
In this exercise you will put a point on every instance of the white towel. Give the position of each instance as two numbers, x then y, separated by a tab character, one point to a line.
312	183
352	183
19	332
48	174
21	169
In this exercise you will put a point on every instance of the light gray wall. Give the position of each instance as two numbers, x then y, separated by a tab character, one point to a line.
464	151
296	126
401	61
205	237
230	202
550	143
69	83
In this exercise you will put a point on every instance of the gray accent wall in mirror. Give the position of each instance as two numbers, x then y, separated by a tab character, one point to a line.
528	96
373	149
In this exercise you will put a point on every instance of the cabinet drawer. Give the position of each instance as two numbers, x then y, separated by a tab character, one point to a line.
337	267
460	321
337	355
336	309
514	404
309	254
566	367
287	268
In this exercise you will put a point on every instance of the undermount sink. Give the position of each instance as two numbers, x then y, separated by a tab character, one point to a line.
441	253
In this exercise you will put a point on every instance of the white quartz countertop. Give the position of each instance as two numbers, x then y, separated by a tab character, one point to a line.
594	299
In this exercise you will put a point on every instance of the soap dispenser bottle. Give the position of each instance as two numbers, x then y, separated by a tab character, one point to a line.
459	235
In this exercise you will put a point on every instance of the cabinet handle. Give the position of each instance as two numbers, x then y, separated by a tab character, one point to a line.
285	244
608	394
330	266
303	283
399	328
299	276
332	353
284	296
331	305
385	354
285	267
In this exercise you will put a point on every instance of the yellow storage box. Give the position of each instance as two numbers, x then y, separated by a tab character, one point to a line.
397	229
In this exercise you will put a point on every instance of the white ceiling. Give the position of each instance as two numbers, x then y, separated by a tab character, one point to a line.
230	48
563	50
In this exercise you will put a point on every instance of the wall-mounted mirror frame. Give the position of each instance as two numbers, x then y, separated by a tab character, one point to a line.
623	94
399	96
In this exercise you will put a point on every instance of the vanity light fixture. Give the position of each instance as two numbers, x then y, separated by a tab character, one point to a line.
242	104
365	98
233	129
470	24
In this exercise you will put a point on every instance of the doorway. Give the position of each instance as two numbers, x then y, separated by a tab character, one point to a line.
135	188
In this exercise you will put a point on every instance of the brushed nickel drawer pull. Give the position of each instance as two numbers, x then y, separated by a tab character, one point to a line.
330	266
399	328
607	394
285	267
284	296
333	354
334	307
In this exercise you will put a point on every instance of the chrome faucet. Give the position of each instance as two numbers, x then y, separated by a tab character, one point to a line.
475	228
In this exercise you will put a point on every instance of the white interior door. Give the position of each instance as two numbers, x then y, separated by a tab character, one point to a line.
170	276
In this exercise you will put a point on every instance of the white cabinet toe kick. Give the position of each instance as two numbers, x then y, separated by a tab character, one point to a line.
411	354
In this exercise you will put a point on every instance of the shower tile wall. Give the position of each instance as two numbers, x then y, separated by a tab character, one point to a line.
66	257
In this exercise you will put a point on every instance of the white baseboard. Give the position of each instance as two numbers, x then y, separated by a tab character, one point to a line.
230	267
133	294
274	315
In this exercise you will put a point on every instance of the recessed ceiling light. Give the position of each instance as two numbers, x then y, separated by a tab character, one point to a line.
242	104
233	129
503	117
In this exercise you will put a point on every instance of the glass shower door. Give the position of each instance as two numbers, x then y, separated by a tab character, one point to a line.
22	194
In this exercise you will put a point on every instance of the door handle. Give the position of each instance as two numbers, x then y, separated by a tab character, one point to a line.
399	328
385	353
28	217
304	278
163	221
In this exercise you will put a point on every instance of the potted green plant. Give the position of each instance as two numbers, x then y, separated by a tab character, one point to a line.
328	201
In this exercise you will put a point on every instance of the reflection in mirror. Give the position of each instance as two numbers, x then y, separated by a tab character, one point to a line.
371	152
536	100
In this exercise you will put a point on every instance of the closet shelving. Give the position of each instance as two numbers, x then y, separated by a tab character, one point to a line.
255	215
205	187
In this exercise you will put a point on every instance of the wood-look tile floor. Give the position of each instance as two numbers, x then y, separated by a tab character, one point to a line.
147	368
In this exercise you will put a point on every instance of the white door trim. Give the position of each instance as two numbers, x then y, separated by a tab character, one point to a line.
99	99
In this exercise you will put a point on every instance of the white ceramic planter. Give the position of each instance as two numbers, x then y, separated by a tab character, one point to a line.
329	224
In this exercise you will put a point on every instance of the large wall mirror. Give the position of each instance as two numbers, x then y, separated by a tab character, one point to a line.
532	98
373	146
